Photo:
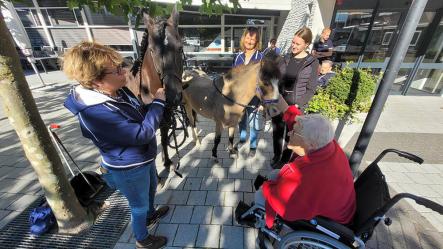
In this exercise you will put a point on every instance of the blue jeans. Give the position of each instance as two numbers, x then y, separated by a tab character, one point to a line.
138	185
251	116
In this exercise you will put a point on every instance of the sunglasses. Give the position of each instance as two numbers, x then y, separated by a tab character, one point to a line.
118	70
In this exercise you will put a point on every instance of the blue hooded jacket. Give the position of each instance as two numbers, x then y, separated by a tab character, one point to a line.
123	129
241	57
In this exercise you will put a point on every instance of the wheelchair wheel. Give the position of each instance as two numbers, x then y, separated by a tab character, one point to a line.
308	240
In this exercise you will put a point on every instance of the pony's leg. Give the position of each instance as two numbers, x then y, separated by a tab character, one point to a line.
218	131
164	141
192	116
233	151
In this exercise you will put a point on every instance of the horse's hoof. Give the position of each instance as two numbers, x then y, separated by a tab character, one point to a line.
167	164
233	154
214	159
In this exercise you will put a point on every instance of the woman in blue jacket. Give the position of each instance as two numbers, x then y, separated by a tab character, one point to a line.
121	127
250	45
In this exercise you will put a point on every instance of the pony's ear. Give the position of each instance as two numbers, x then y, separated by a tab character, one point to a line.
173	19
149	22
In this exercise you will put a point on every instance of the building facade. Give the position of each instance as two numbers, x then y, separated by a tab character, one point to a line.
364	33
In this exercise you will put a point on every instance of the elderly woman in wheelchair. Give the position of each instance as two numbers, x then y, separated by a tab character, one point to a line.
313	202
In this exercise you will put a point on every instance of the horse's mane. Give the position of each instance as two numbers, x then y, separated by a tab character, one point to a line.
239	70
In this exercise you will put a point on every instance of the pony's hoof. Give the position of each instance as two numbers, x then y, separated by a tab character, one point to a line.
214	159
167	164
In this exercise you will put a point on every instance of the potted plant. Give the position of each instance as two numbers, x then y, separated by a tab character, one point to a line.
347	95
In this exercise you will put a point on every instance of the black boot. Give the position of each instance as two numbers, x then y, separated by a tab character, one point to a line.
155	217
151	242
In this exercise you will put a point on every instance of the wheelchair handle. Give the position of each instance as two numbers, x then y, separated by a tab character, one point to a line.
400	153
419	200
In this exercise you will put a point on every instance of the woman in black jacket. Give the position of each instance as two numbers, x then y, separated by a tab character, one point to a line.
297	86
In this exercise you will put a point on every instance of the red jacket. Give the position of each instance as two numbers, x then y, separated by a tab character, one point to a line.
317	184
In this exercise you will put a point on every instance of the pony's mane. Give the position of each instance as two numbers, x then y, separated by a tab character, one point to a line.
241	69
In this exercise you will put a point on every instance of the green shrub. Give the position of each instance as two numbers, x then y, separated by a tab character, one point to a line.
347	94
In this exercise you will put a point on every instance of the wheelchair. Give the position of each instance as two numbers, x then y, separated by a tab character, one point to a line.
373	201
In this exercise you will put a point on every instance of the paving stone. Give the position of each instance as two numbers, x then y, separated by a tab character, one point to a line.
235	173
226	185
233	198
232	237
215	198
201	215
179	197
186	235
222	216
23	202
197	198
208	236
243	185
193	183
250	236
8	218
248	197
177	183
127	234
163	197
209	184
182	214
204	172
167	230
121	245
7	199
219	172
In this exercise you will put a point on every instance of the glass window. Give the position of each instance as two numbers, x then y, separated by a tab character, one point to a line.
62	17
350	28
428	80
385	23
191	18
246	20
27	18
201	39
434	52
103	17
425	20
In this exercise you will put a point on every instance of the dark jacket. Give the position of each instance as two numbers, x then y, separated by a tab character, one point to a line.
123	130
301	90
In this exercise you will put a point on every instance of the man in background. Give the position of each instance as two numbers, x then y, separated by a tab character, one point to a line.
322	49
272	47
326	73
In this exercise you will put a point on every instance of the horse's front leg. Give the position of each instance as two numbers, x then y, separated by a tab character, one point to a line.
218	131
192	116
233	152
164	141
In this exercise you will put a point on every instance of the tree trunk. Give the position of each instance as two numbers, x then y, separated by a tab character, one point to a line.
21	110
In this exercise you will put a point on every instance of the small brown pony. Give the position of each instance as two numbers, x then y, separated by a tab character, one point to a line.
160	65
224	100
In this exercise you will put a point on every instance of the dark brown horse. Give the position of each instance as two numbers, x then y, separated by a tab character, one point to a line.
160	65
224	100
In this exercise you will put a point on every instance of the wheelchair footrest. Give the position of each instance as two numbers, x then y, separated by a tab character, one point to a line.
248	220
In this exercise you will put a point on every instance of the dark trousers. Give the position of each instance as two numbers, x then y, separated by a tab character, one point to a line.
278	130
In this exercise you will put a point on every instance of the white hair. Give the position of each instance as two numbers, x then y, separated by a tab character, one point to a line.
316	130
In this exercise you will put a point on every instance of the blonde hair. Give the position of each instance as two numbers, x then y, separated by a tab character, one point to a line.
326	29
305	33
250	31
86	61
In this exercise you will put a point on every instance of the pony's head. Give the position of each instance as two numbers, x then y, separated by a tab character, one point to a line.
269	76
165	48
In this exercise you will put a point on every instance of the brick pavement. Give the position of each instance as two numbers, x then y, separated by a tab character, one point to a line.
202	202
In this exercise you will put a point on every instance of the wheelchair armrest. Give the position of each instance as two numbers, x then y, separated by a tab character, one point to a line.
344	232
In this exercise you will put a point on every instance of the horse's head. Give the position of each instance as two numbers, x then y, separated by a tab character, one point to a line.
165	49
269	75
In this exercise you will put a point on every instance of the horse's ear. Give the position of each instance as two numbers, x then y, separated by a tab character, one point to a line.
173	19
149	22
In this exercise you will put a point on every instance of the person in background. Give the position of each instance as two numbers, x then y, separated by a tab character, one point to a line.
122	128
326	73
322	49
298	85
272	47
316	182
250	46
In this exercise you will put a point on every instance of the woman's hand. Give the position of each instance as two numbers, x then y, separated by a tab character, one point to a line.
160	94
